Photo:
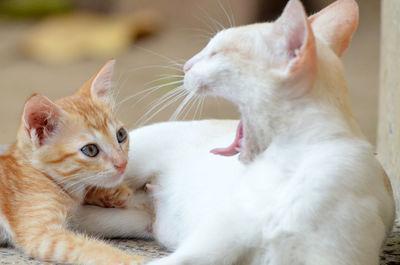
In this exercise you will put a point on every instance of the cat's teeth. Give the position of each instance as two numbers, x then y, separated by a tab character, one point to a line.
238	149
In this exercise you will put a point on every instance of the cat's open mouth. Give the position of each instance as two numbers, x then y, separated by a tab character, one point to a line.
235	147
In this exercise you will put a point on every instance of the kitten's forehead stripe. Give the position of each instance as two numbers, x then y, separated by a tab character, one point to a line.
96	116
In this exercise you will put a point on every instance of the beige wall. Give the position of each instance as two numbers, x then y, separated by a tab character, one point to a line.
179	39
389	119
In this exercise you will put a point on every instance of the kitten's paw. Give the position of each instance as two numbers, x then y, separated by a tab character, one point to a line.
110	198
159	262
137	260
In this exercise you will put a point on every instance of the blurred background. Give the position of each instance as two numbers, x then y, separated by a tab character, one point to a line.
53	46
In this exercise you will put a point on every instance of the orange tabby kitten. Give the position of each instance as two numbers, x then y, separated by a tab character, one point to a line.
63	149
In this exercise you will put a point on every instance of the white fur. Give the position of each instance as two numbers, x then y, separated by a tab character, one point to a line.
310	190
135	221
6	233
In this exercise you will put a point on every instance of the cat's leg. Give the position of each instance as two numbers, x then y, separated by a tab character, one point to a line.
133	221
214	243
60	245
113	222
41	233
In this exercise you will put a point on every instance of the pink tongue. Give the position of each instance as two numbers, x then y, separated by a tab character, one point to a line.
234	148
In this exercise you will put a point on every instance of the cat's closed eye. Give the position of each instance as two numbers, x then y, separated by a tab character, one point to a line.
121	135
90	150
213	54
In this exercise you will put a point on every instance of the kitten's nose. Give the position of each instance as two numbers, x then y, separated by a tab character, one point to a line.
121	167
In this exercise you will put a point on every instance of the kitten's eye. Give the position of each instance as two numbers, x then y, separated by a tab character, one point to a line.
121	135
91	150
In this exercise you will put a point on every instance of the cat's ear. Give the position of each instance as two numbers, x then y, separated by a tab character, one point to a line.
99	87
294	39
41	118
336	24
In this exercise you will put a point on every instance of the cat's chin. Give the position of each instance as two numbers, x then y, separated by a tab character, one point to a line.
235	148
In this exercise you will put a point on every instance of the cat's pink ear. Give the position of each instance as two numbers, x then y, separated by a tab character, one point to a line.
336	24
294	40
101	87
41	118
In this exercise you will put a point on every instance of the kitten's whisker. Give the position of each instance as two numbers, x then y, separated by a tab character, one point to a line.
116	92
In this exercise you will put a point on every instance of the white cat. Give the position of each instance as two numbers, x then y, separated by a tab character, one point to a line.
307	188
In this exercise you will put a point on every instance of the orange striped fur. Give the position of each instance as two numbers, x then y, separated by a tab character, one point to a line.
44	176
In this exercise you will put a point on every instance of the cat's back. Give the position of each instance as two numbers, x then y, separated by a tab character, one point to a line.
15	172
8	187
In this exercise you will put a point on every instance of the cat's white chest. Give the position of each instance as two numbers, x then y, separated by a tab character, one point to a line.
290	198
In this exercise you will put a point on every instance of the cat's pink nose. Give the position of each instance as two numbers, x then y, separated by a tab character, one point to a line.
188	65
121	167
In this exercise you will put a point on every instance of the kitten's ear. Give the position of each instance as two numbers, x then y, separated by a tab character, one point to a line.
294	39
99	86
336	24
41	117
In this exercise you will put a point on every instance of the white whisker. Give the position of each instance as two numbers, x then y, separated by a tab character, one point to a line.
163	78
168	59
171	94
226	13
149	92
200	99
211	28
170	100
232	14
190	105
218	25
180	107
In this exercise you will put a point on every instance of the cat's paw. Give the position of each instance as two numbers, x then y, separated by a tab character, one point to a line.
116	197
